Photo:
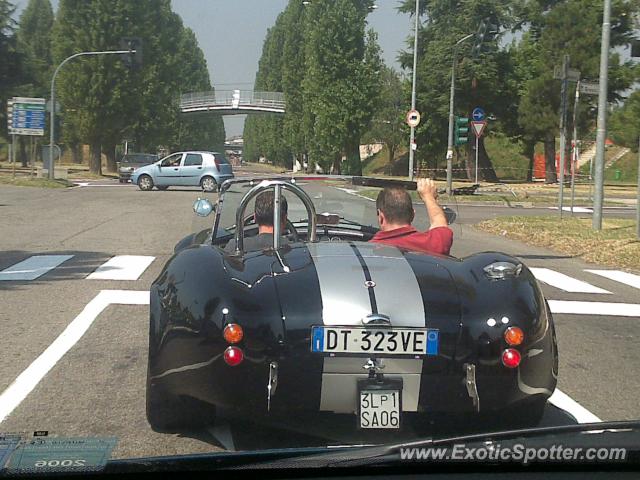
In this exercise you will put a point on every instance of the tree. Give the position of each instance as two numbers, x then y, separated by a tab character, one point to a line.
341	82
570	27
107	102
10	64
34	44
200	132
328	68
623	125
478	75
388	124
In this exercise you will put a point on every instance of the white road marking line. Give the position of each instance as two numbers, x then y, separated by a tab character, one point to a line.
31	376
354	193
33	267
564	282
575	209
618	276
595	308
568	404
122	267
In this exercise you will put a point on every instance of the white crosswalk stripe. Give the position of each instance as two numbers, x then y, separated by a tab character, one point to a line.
33	267
618	276
122	267
595	308
564	282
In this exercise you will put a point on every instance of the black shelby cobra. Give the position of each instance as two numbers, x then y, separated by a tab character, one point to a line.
331	323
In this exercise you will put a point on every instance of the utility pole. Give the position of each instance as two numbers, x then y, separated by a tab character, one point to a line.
452	95
563	128
598	197
413	90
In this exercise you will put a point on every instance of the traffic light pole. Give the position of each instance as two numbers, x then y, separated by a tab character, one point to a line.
52	117
451	115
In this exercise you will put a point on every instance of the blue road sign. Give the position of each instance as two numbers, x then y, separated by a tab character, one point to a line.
27	116
478	114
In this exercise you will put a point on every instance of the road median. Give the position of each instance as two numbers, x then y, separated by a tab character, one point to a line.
615	245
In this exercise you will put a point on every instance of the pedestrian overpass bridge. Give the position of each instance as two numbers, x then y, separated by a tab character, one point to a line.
232	102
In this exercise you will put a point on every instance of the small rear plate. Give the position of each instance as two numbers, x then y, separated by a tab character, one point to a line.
379	404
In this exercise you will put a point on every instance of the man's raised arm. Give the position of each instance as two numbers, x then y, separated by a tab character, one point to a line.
429	195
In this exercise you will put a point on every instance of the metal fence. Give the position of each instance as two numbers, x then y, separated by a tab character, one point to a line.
233	99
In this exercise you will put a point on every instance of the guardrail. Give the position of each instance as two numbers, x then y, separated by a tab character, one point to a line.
233	99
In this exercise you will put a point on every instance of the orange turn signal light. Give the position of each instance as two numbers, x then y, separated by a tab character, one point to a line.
233	333
513	336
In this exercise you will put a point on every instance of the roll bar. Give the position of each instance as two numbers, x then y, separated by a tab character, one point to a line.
278	186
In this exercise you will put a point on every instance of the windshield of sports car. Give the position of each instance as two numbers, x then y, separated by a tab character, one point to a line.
442	235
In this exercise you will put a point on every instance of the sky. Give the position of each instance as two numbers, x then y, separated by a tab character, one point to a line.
231	33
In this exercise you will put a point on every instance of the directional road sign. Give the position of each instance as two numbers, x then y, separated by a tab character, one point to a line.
413	118
478	128
589	88
478	114
27	116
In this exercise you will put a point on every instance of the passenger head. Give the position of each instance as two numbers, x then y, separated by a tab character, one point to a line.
264	208
395	208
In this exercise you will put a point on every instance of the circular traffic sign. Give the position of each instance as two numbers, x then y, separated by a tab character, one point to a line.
413	118
478	114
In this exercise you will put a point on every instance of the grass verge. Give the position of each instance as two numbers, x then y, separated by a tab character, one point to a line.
615	245
34	182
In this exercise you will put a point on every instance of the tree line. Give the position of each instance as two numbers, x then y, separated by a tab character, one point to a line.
336	87
103	101
327	63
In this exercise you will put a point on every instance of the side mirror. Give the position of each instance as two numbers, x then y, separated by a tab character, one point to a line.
203	207
450	214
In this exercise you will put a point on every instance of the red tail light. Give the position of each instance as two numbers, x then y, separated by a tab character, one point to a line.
511	358
217	162
233	356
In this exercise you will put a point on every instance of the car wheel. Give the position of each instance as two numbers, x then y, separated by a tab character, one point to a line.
163	188
208	184
168	413
145	182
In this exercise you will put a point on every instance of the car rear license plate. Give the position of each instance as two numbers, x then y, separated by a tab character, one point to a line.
379	404
381	341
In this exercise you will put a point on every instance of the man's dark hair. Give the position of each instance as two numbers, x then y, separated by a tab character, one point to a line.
396	205
264	208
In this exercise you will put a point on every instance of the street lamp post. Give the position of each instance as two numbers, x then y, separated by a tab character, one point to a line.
451	116
53	97
413	89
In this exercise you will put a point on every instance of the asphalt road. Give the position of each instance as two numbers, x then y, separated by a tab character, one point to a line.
93	384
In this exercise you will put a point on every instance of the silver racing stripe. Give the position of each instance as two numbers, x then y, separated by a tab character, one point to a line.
346	301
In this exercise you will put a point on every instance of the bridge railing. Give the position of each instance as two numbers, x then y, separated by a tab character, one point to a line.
233	99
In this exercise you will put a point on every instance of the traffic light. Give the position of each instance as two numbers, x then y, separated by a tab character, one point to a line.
635	48
134	58
462	131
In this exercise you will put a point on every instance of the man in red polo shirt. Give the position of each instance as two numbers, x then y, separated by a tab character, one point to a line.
395	214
